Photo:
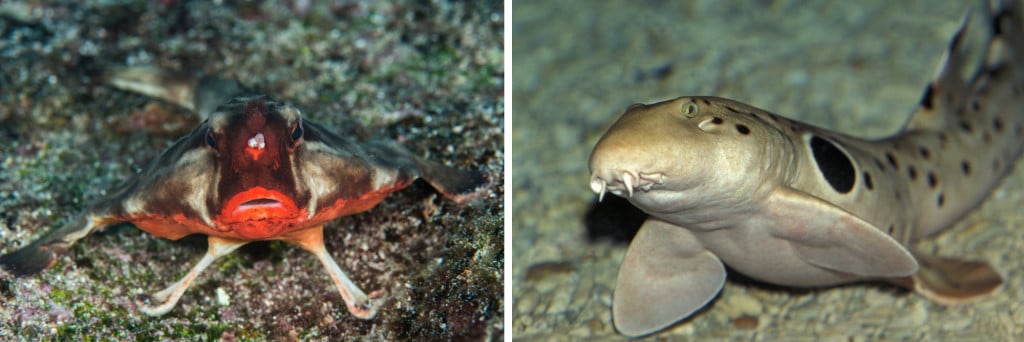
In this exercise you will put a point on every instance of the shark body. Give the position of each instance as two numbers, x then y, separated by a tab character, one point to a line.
792	204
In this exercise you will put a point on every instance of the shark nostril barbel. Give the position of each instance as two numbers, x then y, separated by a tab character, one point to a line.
656	178
627	181
599	186
596	185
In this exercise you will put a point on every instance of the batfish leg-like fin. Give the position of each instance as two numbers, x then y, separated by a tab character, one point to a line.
169	297
665	276
195	92
40	254
830	237
358	303
951	281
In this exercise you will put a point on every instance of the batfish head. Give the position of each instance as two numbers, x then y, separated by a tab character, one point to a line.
256	139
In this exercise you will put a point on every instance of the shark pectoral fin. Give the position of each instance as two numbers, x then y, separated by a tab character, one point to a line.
665	276
830	237
952	281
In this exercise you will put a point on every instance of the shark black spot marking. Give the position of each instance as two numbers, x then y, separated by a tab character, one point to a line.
997	125
706	102
729	108
924	152
891	228
965	126
975	105
717	120
998	19
995	71
892	161
932	180
958	37
833	164
928	99
878	163
912	172
743	129
867	181
986	137
941	200
965	166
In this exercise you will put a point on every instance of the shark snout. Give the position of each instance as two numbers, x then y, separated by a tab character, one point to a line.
624	182
630	156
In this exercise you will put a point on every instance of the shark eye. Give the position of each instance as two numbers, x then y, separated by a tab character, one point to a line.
689	109
210	141
296	132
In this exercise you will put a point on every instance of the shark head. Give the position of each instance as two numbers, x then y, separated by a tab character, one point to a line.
679	154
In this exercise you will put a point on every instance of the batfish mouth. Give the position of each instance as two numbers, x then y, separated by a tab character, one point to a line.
258	203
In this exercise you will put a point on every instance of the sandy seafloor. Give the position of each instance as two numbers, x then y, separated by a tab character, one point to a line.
426	73
854	66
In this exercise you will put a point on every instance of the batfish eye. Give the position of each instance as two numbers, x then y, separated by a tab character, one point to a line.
210	141
689	109
297	132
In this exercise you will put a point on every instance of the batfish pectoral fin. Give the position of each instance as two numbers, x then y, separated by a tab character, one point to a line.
665	276
41	253
827	236
952	281
455	184
451	182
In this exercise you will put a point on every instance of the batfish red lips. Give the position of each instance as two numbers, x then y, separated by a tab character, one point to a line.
258	213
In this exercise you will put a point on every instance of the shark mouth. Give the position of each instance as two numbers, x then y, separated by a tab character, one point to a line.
258	203
624	184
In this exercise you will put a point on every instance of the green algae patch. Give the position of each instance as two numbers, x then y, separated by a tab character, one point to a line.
61	296
460	298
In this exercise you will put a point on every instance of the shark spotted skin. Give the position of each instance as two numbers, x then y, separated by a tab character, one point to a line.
791	204
253	170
